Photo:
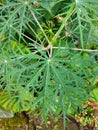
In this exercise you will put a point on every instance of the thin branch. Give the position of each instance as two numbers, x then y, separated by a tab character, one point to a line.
76	49
40	26
64	22
23	34
27	37
33	31
87	50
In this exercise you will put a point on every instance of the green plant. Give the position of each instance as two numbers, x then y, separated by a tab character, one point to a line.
86	117
46	54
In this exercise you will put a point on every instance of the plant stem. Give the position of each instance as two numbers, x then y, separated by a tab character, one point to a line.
76	49
64	22
40	26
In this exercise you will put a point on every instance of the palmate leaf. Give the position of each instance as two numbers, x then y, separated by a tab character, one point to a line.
16	101
55	81
59	84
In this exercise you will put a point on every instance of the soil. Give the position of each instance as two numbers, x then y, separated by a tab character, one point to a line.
25	122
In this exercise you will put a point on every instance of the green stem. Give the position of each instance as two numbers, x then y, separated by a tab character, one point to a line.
64	22
78	10
40	26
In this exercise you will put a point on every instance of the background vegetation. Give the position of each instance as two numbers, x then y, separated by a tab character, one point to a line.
48	55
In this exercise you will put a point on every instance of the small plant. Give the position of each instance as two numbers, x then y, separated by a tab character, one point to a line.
47	59
87	118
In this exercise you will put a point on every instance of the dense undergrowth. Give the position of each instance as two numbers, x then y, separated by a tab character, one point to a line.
48	55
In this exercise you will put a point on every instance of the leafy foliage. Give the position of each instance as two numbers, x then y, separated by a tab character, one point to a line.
47	57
